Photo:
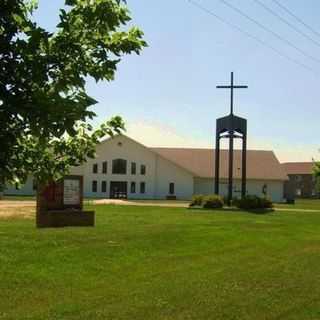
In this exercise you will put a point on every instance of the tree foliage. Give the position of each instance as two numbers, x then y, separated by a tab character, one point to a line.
43	100
316	173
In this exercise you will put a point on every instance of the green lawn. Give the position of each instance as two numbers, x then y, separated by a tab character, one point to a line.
313	204
18	198
163	263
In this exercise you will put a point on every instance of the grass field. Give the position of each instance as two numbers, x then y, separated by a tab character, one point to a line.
19	198
163	263
313	204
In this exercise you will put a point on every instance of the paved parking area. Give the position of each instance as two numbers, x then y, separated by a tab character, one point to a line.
158	203
26	208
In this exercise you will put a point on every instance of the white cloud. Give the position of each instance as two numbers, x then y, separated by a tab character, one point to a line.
155	134
287	152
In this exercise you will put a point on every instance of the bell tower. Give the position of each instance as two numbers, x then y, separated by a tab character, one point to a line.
231	127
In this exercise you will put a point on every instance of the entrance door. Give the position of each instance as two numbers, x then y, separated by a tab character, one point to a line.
118	190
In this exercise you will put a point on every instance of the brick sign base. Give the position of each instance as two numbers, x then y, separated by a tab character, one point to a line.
60	204
67	218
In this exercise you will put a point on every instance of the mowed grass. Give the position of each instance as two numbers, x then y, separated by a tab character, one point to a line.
18	198
163	263
313	204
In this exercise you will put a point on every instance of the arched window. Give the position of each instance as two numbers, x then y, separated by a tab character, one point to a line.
133	187
119	166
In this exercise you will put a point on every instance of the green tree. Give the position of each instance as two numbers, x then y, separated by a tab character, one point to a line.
316	173
44	107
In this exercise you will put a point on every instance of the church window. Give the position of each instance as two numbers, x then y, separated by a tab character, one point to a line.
133	168
142	187
119	166
104	186
94	186
171	188
104	167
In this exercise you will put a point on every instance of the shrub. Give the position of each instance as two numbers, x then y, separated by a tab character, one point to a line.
225	199
197	200
235	202
266	202
213	202
249	202
253	202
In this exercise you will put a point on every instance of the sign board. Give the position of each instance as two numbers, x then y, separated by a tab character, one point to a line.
71	192
59	204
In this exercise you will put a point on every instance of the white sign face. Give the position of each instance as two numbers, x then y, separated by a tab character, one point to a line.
71	192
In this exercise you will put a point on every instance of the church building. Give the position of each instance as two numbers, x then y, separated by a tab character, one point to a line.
124	168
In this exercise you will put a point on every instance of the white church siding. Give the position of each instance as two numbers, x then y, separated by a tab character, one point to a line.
119	148
274	189
159	171
26	190
254	187
168	173
203	185
182	167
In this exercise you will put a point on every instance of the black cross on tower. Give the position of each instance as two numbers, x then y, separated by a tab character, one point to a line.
232	86
231	127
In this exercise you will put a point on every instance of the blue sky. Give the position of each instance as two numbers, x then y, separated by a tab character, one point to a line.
167	95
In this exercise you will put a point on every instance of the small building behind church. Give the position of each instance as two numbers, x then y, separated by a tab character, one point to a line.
302	182
124	168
